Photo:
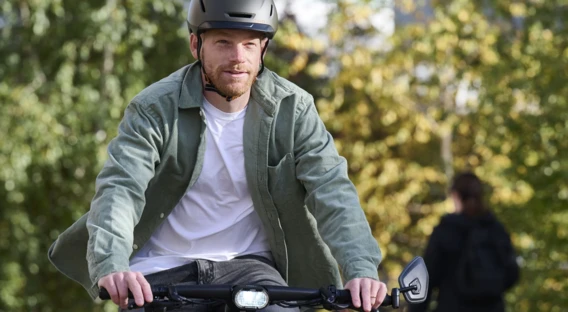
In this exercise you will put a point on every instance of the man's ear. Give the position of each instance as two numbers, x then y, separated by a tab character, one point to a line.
193	46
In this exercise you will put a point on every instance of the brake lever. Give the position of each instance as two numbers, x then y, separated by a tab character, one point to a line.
132	305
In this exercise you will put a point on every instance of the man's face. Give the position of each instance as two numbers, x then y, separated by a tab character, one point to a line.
231	58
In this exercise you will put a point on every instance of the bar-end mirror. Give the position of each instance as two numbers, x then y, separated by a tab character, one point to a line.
414	281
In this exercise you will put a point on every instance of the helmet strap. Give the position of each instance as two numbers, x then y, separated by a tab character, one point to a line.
262	58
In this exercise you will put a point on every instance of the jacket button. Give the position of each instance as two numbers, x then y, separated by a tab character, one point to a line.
161	215
135	246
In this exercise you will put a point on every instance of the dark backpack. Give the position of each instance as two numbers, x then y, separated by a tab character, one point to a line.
483	264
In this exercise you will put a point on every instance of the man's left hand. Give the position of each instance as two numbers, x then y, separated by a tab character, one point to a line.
368	290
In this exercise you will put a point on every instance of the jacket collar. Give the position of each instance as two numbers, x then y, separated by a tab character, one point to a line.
267	90
191	94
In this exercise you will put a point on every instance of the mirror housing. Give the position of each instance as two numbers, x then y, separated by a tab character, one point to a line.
414	276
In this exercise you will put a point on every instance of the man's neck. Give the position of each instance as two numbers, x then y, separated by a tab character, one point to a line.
235	105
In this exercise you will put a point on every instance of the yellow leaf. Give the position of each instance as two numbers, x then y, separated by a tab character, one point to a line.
357	83
531	159
463	16
318	69
518	9
346	60
299	63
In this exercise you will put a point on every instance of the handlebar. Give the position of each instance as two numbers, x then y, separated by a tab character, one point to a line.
413	283
329	298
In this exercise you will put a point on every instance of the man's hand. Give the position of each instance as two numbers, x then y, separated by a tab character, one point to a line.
371	291
117	284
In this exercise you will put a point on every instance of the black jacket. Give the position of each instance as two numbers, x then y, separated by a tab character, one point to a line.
441	258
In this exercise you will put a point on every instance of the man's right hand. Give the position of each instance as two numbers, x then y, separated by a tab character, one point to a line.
117	284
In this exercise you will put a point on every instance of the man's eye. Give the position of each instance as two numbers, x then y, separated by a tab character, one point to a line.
251	44
222	41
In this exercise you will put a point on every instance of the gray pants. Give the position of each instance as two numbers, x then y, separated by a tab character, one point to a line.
240	271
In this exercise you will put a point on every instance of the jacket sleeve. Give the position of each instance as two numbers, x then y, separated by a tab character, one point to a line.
119	197
332	198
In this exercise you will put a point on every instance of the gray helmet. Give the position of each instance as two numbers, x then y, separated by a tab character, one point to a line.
258	15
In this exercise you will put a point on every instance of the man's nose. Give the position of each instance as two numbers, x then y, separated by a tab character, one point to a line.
238	53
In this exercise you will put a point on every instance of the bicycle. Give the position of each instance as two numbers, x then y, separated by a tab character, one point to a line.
413	282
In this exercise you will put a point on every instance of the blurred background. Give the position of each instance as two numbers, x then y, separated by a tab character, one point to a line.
412	91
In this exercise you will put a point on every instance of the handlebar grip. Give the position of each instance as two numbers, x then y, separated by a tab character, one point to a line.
344	296
387	302
104	295
156	291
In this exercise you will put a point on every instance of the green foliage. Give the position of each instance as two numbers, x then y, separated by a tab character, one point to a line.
70	69
475	86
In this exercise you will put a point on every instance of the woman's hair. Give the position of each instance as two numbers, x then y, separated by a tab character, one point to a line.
469	189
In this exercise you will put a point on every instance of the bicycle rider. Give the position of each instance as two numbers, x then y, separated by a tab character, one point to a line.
223	172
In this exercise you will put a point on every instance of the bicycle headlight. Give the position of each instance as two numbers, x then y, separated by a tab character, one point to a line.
250	298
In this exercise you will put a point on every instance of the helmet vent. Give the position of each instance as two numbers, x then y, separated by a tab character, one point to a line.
240	15
271	9
202	5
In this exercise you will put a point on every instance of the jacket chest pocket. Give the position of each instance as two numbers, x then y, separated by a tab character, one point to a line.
282	180
287	192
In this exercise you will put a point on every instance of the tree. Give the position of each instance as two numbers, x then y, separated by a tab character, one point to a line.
472	86
70	69
476	86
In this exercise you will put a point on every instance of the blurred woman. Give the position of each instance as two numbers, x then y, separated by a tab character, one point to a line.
469	256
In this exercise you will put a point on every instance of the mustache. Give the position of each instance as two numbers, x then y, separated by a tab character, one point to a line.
236	68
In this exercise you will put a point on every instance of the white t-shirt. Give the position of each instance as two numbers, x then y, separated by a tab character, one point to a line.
215	220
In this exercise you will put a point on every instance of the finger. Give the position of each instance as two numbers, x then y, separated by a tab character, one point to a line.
366	294
382	293
354	289
146	288
122	287
375	286
135	288
107	283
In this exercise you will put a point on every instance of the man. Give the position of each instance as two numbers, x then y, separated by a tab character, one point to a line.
223	173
